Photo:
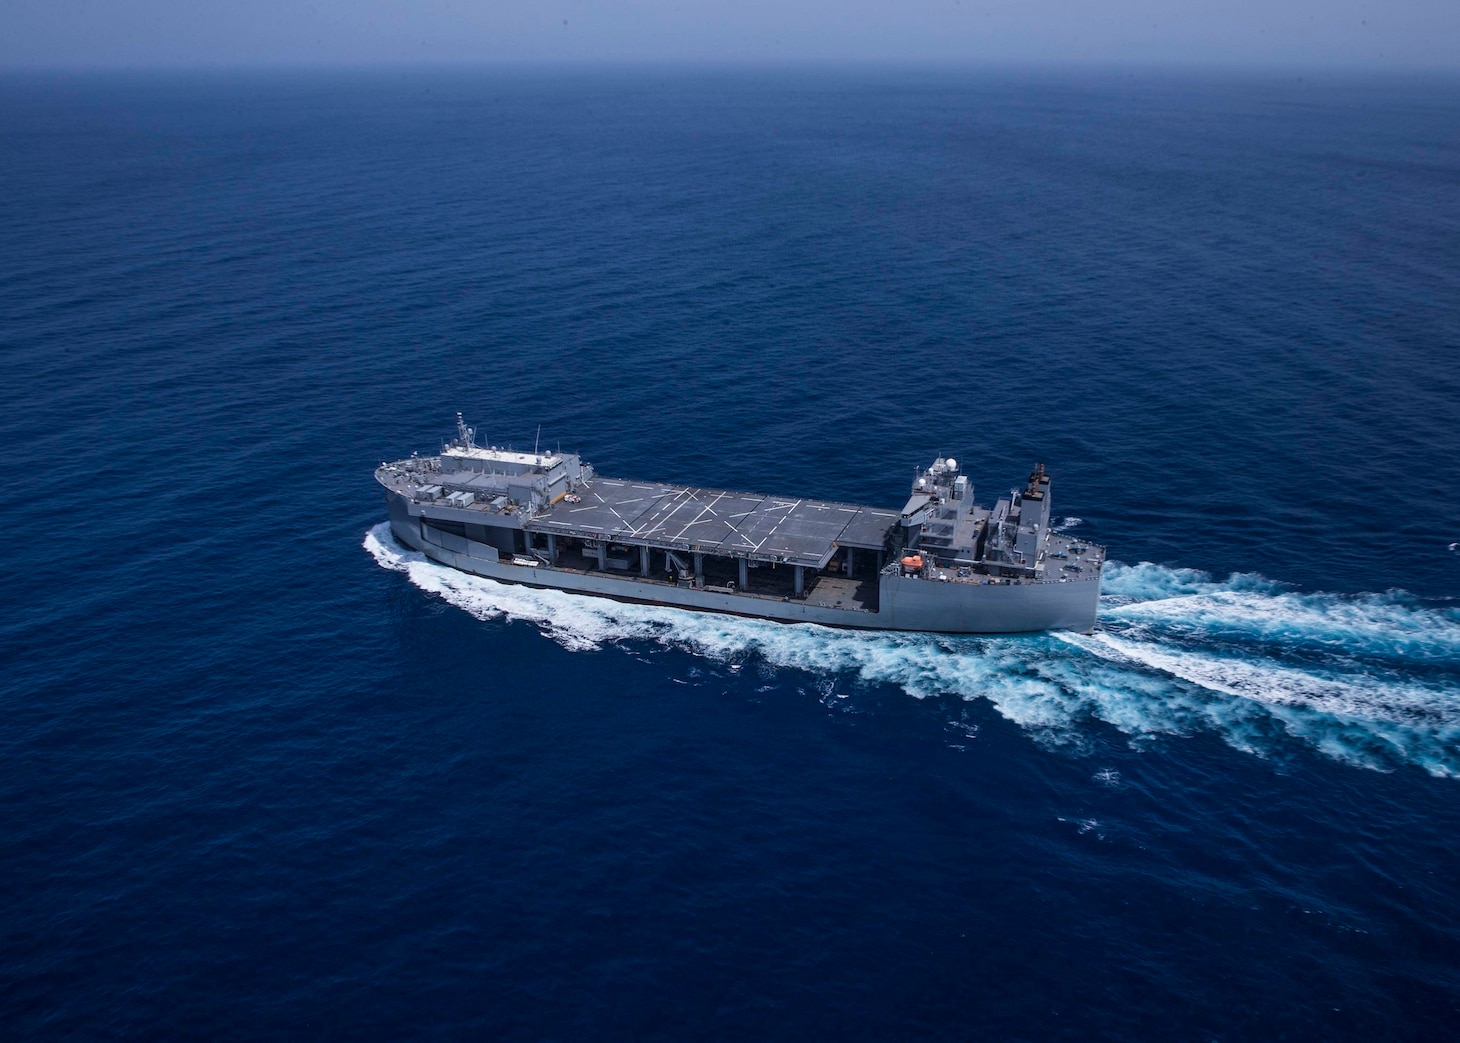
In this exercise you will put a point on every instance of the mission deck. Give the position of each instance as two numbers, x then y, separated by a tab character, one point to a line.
714	521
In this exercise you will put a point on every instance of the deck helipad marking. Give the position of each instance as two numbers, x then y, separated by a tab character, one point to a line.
619	516
706	510
685	495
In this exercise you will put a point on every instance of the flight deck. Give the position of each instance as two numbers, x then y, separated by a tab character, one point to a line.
776	529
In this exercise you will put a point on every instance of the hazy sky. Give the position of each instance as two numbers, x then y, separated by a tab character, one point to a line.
1394	34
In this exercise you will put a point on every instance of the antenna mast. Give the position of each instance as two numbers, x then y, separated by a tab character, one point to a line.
466	434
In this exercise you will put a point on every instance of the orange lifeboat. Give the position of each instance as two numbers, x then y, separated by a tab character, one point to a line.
913	561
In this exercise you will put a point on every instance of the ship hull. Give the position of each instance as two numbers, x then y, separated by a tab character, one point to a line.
904	603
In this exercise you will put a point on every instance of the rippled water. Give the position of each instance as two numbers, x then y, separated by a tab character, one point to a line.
262	782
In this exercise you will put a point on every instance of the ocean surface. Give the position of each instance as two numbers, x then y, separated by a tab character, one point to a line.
266	774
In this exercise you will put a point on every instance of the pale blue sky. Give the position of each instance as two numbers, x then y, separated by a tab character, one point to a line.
1384	34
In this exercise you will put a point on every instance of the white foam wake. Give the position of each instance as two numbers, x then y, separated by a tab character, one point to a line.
1392	625
1179	652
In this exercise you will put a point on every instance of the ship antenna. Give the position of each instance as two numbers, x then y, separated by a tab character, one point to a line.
464	433
536	440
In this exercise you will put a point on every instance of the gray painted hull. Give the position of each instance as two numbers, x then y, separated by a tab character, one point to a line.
904	603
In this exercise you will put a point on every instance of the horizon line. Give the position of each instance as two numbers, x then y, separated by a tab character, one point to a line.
804	64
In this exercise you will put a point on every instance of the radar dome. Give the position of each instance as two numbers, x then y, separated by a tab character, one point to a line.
952	464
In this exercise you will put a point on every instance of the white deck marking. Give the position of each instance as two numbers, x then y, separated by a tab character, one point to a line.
660	519
648	515
702	513
619	516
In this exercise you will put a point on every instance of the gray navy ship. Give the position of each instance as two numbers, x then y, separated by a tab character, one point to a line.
941	563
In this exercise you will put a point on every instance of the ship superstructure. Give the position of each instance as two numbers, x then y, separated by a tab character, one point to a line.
941	564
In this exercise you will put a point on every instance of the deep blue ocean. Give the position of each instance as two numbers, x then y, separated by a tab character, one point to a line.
268	775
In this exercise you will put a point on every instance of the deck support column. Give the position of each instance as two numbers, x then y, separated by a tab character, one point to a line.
699	569
644	559
851	562
552	549
744	574
602	555
527	542
800	580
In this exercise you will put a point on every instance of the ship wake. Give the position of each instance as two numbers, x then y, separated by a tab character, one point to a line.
1372	680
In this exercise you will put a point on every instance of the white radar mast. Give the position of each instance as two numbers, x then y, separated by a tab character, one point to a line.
466	434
